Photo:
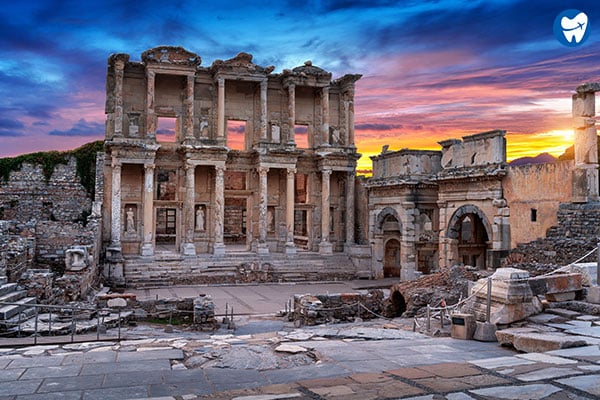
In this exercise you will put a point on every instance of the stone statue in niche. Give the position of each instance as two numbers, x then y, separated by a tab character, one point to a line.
275	133
204	128
335	135
270	221
130	225
200	218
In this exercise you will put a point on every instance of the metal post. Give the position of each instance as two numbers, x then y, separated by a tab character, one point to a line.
97	323
119	325
428	318
598	267
489	300
72	325
35	334
442	312
50	321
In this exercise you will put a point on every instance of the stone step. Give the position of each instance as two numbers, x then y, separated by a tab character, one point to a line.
12	310
14	296
7	288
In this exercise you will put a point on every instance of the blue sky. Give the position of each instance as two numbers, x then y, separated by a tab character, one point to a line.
431	69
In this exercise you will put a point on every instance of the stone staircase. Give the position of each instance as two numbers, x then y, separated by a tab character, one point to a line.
20	310
238	267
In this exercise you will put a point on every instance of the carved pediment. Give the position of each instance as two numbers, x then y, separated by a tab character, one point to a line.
242	63
171	55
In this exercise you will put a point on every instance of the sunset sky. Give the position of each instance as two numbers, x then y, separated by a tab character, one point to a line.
431	69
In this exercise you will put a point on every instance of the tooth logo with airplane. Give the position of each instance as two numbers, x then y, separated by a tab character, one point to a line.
571	28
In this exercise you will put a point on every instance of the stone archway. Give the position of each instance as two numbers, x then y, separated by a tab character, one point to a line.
387	220
391	259
471	233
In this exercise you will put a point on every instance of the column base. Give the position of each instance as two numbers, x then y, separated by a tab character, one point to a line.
188	249
325	248
114	252
219	249
262	249
290	248
147	250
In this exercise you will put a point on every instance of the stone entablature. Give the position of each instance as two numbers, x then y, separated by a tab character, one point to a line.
254	159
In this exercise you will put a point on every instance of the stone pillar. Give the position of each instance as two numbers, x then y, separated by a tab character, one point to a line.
148	199
325	247
290	247
344	103
219	215
263	248
189	108
350	141
585	175
115	220
263	109
325	111
119	67
150	117
221	108
350	209
292	112
188	248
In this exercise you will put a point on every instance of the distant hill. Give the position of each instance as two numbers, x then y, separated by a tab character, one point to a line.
539	159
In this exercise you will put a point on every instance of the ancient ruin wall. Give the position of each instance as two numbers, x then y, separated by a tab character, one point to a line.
28	195
533	193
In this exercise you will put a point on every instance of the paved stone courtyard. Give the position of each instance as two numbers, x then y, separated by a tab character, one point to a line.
351	361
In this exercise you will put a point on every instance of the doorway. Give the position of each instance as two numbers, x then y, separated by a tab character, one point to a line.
234	228
391	262
166	229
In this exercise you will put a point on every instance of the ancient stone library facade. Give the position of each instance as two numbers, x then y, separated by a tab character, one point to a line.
231	157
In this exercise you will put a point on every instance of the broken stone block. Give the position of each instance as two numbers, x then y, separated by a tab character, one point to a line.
530	341
559	287
512	298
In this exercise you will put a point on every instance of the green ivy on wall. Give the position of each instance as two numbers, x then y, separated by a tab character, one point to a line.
84	155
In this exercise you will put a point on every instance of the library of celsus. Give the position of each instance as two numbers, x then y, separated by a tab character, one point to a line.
227	158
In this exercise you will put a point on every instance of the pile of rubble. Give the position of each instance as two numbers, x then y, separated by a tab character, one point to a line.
332	308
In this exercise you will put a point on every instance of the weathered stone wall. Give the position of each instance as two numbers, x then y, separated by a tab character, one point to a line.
411	163
577	233
54	238
533	193
27	195
17	248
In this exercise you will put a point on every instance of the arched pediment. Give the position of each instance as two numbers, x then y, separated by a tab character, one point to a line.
453	225
385	215
170	55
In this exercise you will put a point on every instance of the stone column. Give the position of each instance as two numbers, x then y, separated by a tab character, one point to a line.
350	141
115	220
188	248
189	108
585	182
292	112
325	247
290	247
325	111
148	199
221	108
150	117
350	209
119	67
219	215
263	109
344	117
263	248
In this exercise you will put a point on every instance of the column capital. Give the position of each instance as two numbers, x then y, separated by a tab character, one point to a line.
263	170
326	172
220	168
119	65
221	81
149	167
264	83
116	163
291	172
